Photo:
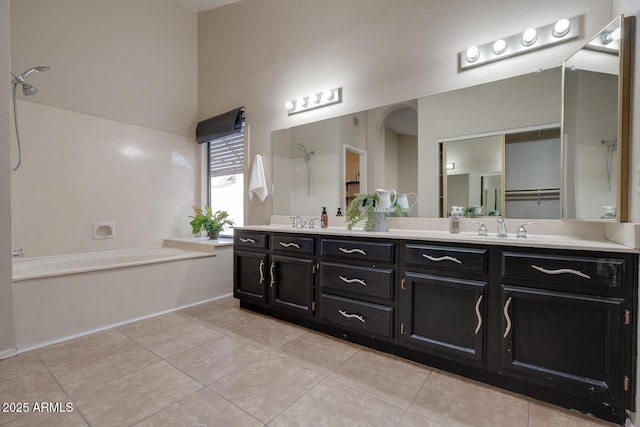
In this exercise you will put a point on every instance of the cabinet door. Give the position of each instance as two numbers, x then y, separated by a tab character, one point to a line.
443	315
566	340
291	283
249	275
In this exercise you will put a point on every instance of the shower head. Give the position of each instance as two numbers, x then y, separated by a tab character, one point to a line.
611	144
21	77
307	154
28	90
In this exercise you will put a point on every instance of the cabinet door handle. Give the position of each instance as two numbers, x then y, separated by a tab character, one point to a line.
350	251
561	271
358	281
505	310
442	258
288	245
273	280
402	284
349	316
478	314
243	240
261	269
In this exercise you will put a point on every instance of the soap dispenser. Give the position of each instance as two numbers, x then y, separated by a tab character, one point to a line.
454	219
324	218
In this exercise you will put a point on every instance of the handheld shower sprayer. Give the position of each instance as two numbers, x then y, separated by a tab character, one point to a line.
27	90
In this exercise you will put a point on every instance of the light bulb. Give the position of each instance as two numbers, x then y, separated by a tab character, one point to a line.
301	103
615	34
529	37
314	99
561	28
499	46
288	105
328	94
473	53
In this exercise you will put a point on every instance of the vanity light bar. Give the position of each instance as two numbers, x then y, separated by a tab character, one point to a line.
314	100
530	39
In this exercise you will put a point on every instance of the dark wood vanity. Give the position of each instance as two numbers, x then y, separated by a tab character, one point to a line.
555	324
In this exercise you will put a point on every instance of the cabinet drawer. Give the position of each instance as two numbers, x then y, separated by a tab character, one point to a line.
250	239
603	273
374	282
446	258
292	244
359	250
359	316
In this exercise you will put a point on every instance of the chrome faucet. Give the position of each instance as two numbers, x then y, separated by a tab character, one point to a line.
502	228
298	221
521	233
313	222
482	230
17	253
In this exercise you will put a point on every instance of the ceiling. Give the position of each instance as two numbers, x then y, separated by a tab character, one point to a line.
202	5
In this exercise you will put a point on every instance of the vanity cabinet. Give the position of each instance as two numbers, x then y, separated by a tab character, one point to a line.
357	285
443	300
292	273
566	322
555	324
250	262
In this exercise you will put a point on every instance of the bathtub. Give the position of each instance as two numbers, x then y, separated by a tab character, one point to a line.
61	297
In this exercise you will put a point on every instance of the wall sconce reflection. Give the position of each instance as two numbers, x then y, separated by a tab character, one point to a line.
530	39
314	100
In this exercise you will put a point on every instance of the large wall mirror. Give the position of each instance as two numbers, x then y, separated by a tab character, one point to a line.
595	125
405	147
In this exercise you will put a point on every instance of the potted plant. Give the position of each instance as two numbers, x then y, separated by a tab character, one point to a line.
362	207
211	222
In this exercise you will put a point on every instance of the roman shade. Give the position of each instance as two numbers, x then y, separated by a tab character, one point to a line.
220	126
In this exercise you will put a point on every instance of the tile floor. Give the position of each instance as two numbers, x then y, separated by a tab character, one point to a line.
218	365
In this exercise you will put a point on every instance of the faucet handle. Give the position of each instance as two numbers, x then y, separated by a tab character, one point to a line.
482	230
521	232
295	219
312	222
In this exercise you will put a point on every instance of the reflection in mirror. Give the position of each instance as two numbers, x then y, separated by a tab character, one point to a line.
474	175
595	135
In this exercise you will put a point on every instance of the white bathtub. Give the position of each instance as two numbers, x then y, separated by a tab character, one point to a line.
33	268
61	297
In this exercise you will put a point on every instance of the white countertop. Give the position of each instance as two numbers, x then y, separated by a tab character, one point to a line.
533	240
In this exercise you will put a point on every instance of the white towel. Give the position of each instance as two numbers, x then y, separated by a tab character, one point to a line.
257	182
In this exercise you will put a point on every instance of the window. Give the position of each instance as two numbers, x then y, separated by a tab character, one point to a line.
226	176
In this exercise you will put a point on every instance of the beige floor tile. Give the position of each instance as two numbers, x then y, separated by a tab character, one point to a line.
331	403
170	334
20	365
266	386
211	308
121	359
28	389
317	352
134	397
412	419
269	333
203	408
544	415
42	419
234	320
215	359
454	401
387	377
96	343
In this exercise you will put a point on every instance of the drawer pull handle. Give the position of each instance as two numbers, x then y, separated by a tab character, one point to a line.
288	245
561	271
350	251
273	280
359	281
261	269
243	240
478	314
350	316
505	310
442	258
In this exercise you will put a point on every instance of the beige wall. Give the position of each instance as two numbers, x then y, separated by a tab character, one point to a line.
109	135
7	342
260	53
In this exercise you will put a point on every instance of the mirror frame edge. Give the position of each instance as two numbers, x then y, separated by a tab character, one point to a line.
624	106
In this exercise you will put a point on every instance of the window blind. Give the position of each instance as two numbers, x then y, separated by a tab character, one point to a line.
226	155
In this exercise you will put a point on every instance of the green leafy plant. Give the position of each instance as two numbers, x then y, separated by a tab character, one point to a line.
362	208
209	221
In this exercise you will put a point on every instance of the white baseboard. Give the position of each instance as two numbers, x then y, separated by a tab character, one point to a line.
10	352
